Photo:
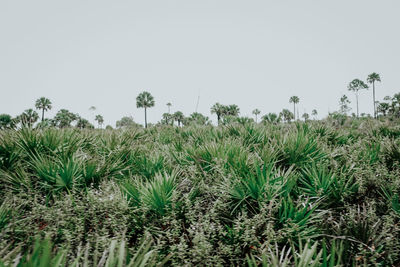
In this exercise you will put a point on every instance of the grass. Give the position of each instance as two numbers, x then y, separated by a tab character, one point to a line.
285	194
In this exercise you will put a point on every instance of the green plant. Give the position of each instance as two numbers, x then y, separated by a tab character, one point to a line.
392	199
157	194
44	253
298	149
242	193
9	152
58	175
266	184
116	255
40	255
392	154
299	219
307	255
330	187
4	215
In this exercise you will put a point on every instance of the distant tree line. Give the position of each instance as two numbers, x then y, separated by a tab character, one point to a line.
390	106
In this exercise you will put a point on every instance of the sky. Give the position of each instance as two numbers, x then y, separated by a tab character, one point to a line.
255	54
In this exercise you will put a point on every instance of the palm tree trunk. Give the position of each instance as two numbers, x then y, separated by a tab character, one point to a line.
373	89
357	102
294	111
145	117
43	114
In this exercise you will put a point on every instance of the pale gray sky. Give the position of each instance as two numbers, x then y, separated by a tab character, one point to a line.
255	54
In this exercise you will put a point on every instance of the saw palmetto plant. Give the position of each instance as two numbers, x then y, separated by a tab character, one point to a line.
300	194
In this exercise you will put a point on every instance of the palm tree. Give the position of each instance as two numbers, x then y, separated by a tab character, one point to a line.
355	86
28	117
372	78
99	120
178	116
165	118
383	108
305	116
287	115
256	112
198	118
314	112
294	99
396	104
169	107
219	110
232	110
271	118
145	100
44	104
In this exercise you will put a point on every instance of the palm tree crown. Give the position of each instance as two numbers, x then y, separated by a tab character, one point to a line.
232	110
314	112
169	107
145	100
44	104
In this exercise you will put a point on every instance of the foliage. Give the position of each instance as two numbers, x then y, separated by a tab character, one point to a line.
315	193
44	104
5	121
344	105
355	86
99	119
224	112
64	118
44	253
295	100
271	118
28	117
83	123
126	122
286	115
198	119
178	116
145	100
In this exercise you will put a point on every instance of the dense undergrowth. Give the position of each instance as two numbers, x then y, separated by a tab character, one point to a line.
304	194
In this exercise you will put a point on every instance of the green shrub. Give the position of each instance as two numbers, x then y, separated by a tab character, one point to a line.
285	194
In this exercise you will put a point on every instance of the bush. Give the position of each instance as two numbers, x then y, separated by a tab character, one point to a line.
320	193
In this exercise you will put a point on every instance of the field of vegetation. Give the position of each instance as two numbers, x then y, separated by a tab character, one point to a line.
316	193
